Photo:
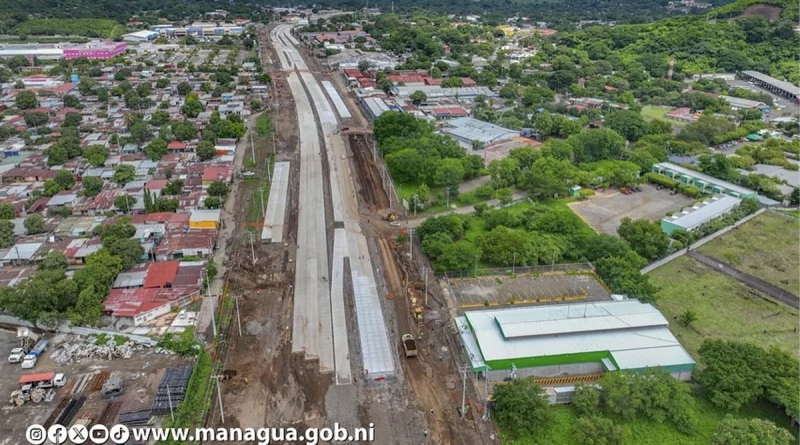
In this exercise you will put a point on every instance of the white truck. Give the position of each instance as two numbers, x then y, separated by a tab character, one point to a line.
16	356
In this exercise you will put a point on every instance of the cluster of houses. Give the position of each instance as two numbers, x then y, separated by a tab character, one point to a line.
177	245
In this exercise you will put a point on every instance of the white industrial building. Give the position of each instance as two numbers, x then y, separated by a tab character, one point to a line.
577	339
699	214
140	36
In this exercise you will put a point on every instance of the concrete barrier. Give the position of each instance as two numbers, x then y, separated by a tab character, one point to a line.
65	328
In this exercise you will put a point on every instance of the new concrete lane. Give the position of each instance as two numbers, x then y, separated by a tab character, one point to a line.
275	213
312	311
376	348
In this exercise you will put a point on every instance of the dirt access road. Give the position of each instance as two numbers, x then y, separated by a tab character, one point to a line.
270	386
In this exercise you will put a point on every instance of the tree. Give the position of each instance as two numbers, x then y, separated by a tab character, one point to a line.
173	187
123	174
54	260
140	132
622	275
35	118
737	374
645	237
7	211
505	172
184	131
561	79
596	145
184	88
549	177
435	244
162	82
125	202
205	150
96	155
156	149
218	188
505	195
192	107
404	165
586	400
795	197
423	193
521	408
212	202
92	185
34	223
688	317
461	255
72	119
630	124
159	118
417	97
65	179
450	173
128	250
596	430
71	101
364	65
26	100
385	85
6	233
753	431
500	245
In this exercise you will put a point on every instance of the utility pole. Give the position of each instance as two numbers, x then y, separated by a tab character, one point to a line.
553	264
211	300
252	249
219	397
463	370
411	242
263	211
476	265
252	148
169	399
238	315
514	265
425	279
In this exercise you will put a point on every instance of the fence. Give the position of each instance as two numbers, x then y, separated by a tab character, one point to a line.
518	270
65	328
658	263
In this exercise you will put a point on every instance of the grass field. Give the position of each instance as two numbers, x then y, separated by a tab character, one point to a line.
650	113
647	432
725	308
767	247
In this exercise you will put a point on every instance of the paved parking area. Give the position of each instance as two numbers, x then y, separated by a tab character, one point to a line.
531	289
605	210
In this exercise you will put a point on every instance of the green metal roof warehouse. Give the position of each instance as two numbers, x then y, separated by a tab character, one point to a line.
572	339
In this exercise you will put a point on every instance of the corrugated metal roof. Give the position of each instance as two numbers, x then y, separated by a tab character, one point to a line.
639	326
786	86
704	212
705	178
159	274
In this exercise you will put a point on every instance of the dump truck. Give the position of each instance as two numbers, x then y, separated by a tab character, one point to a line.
409	345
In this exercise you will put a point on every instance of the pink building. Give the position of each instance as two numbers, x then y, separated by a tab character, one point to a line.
96	50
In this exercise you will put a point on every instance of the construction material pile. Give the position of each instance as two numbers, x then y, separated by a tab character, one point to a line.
77	348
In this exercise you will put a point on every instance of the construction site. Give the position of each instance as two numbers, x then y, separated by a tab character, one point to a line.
318	303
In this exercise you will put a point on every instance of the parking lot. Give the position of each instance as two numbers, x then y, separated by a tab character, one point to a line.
480	292
605	210
141	374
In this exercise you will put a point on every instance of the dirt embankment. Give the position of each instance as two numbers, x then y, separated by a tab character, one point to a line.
770	12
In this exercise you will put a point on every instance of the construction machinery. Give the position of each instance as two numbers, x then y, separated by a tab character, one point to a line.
388	214
27	338
37	388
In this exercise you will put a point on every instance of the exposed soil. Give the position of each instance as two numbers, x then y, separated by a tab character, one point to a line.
770	12
370	185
